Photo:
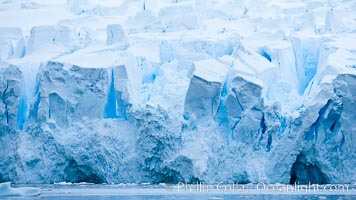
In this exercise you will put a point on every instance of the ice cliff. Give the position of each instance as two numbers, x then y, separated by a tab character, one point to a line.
184	90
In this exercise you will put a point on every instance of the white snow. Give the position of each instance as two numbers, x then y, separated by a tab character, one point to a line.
210	70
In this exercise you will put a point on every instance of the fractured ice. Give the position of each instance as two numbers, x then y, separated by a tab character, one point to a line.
169	91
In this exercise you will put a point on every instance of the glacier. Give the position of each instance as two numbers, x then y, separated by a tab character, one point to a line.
177	91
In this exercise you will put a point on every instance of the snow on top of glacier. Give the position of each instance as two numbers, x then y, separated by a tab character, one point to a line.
148	49
343	60
12	33
88	57
264	25
243	68
346	41
211	70
273	40
182	35
106	2
256	62
28	18
241	26
94	56
287	4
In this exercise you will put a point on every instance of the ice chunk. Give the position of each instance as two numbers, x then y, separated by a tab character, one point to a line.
10	33
242	95
7	190
9	37
79	6
248	60
6	50
203	96
60	39
57	103
306	50
308	24
333	24
140	50
120	93
227	10
115	34
10	98
169	89
178	18
152	5
142	21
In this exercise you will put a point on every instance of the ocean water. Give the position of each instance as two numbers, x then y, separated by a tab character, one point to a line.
200	197
182	192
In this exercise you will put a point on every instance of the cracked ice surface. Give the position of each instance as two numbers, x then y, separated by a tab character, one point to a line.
168	91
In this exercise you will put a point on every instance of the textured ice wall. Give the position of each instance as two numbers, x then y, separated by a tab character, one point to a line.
139	91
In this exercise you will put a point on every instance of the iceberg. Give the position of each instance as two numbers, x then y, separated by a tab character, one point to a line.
6	190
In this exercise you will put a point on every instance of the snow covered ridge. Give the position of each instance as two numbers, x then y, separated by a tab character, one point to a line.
177	91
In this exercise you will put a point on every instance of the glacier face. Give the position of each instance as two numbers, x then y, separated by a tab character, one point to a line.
169	91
